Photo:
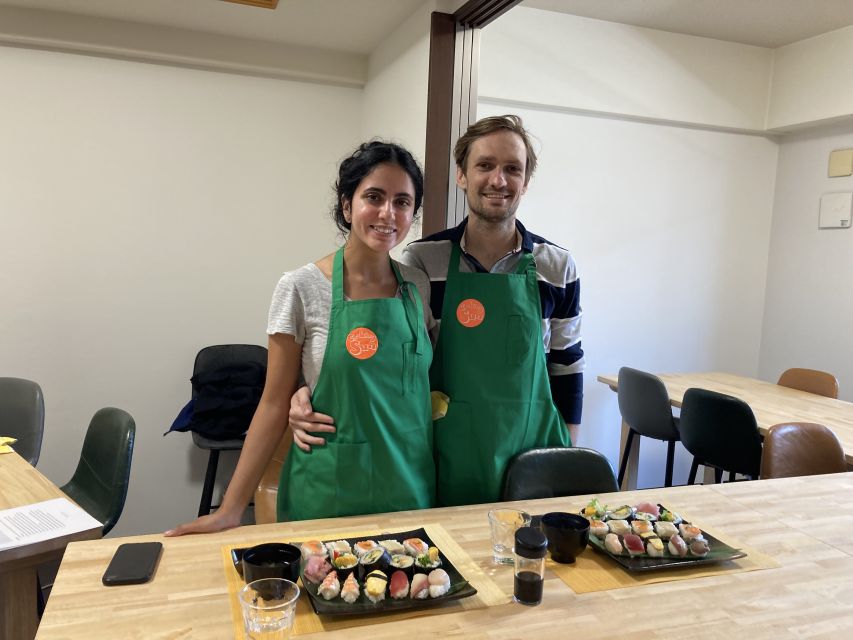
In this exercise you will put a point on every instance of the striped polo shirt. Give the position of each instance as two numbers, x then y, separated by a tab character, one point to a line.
559	292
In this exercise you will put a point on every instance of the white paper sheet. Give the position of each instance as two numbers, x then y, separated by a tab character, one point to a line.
42	521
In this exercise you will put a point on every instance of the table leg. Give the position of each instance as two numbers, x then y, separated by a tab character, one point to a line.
629	482
18	616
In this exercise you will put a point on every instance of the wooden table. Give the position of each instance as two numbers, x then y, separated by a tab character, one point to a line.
21	484
804	524
770	403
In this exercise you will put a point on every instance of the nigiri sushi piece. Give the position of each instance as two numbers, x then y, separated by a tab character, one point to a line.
375	586
349	592
364	546
699	548
399	585
619	527
677	546
689	532
634	544
641	526
420	587
439	583
316	569
648	507
330	587
415	547
313	548
394	547
654	547
665	529
612	544
338	548
598	528
648	535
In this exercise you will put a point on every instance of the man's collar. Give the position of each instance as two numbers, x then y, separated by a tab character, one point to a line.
525	240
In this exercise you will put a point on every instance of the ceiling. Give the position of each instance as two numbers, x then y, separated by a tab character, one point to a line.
353	26
764	23
358	26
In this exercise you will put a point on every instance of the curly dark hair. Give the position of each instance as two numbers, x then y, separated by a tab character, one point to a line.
361	162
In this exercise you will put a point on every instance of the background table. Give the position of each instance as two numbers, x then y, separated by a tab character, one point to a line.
21	484
805	524
770	403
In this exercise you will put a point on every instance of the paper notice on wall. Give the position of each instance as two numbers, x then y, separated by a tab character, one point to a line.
42	521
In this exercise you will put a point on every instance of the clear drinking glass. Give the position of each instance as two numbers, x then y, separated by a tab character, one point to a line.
269	607
503	524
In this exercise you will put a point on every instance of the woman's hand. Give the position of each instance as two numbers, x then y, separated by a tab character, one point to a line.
216	521
303	421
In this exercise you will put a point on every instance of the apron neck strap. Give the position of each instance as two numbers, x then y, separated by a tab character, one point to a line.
338	278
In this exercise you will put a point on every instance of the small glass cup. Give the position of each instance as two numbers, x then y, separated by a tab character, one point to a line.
269	607
504	523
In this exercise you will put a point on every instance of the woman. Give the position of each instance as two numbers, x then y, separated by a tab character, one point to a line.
354	325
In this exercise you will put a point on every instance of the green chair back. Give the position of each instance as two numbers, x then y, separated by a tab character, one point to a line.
22	416
99	485
557	471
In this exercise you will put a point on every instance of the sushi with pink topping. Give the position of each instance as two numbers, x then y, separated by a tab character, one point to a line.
689	532
316	569
634	544
677	546
350	591
439	583
399	585
613	544
420	587
331	586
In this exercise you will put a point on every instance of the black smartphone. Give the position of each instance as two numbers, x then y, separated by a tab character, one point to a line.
133	563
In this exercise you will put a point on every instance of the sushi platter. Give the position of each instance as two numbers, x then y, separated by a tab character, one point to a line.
649	536
387	572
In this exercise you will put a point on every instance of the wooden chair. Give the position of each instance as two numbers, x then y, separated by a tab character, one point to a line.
810	380
266	495
801	449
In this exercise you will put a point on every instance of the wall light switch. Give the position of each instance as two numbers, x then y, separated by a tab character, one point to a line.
835	210
840	163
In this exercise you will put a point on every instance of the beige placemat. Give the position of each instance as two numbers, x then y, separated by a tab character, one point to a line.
594	571
488	593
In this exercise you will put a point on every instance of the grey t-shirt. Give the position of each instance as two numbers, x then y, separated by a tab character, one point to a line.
301	305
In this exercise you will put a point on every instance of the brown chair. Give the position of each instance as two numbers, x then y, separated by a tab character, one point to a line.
266	495
801	449
811	380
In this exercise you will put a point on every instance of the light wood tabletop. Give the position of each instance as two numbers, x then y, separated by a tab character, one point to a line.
770	403
805	525
21	484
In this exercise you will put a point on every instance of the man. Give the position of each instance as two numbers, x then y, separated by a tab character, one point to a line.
508	355
501	294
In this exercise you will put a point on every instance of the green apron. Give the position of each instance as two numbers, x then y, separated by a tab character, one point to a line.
374	381
489	360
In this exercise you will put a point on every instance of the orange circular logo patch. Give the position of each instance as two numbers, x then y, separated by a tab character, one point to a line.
362	343
470	313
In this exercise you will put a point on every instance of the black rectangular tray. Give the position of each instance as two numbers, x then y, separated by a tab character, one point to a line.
720	552
459	586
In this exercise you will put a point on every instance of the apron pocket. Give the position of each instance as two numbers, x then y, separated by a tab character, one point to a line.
518	340
411	360
353	478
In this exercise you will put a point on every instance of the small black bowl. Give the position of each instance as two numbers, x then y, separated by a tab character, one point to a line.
269	560
567	533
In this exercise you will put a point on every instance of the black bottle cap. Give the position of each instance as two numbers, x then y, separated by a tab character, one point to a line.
530	542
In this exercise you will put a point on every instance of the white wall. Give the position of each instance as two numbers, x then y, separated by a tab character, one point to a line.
148	211
560	60
670	224
808	308
812	80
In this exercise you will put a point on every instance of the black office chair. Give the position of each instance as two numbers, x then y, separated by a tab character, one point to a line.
99	485
556	472
22	416
227	404
645	408
720	431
